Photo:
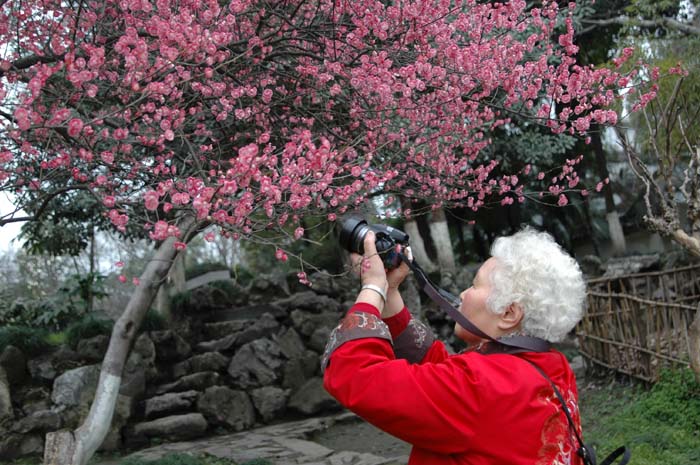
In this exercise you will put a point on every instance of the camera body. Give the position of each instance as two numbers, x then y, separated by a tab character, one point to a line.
354	230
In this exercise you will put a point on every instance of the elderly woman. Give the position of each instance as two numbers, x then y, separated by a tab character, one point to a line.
479	406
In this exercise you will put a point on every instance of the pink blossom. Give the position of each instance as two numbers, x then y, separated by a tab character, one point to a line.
109	201
119	264
151	200
209	237
562	200
135	281
298	233
122	278
599	187
280	255
179	246
75	125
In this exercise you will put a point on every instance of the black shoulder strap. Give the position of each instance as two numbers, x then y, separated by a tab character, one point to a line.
586	452
450	303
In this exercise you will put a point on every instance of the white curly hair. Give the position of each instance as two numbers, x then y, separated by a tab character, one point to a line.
533	271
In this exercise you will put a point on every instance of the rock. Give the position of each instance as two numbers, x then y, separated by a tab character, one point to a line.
174	428
218	345
309	301
169	346
210	361
15	364
76	386
312	398
290	344
123	410
297	371
93	349
195	381
46	367
42	421
31	445
270	401
10	446
140	368
319	338
262	288
33	399
224	406
306	323
266	326
256	364
6	412
222	329
633	264
174	402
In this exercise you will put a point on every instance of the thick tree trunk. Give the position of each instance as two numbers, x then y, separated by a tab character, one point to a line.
417	246
443	243
694	335
76	447
617	237
174	284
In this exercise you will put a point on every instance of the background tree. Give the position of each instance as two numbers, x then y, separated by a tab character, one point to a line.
249	115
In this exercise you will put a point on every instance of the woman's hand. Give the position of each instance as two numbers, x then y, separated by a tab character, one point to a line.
396	276
370	268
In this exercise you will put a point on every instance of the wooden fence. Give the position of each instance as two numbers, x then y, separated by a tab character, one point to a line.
636	324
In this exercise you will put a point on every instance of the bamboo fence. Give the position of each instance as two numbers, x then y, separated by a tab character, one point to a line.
638	323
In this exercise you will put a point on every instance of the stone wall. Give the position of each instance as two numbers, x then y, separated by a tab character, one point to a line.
217	371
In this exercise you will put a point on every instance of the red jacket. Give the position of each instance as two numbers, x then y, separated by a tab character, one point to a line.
468	408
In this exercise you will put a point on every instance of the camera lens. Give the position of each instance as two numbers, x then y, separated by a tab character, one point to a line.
352	234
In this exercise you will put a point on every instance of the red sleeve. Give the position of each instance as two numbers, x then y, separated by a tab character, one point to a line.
433	406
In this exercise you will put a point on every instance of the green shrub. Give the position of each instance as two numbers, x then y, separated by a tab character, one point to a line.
660	425
153	321
30	340
87	327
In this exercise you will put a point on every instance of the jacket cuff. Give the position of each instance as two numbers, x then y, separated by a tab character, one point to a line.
398	322
366	308
414	342
357	324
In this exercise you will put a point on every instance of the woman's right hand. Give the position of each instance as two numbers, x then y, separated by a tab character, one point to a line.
396	276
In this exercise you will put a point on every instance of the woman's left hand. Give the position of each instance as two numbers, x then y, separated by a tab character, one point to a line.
369	267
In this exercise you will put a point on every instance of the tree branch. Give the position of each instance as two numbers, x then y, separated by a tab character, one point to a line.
666	23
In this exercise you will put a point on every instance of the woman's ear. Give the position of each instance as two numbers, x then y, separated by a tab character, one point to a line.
511	317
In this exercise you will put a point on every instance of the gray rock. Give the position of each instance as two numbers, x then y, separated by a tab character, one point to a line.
122	413
169	346
15	364
306	323
46	367
210	361
42	369
218	345
263	288
170	403
227	407
270	401
41	421
319	338
10	446
222	329
94	348
290	344
312	398
31	445
76	386
176	427
266	326
631	264
6	412
195	381
310	301
257	363
298	371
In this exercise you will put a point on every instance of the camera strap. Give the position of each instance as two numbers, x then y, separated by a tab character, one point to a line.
449	303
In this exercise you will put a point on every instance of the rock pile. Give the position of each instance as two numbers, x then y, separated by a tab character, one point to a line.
228	370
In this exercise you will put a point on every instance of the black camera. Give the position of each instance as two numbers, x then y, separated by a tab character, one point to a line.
354	230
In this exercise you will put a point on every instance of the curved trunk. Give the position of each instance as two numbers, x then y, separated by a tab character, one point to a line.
76	447
443	243
417	246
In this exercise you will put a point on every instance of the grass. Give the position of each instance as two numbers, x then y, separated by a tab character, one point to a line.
660	425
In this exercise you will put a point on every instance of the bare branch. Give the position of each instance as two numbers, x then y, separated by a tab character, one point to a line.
666	23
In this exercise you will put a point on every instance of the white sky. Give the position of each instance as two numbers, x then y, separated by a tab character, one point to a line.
11	230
